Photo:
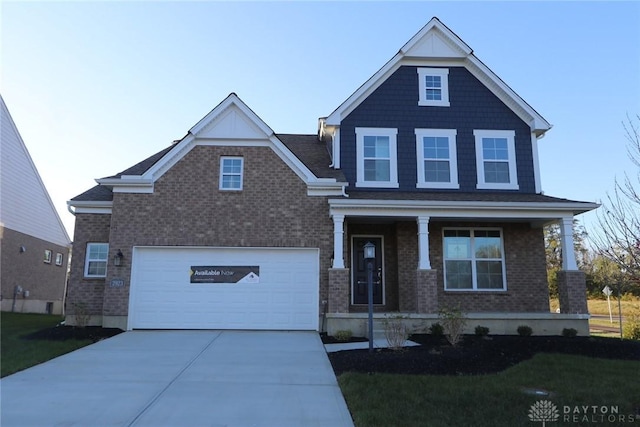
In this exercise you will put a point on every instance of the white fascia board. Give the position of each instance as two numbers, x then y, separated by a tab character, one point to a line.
90	207
326	187
461	209
449	35
128	184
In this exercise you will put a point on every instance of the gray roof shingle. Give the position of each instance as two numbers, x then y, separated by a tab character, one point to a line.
313	153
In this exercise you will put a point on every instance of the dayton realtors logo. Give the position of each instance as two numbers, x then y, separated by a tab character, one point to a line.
545	411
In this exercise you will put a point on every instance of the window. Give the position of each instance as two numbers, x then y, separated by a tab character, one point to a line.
96	262
437	159
433	84
496	159
473	260
231	173
58	259
376	151
47	256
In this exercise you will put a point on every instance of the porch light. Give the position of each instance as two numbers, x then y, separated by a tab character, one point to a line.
369	251
117	259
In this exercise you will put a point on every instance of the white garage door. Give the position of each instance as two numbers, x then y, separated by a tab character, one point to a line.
192	288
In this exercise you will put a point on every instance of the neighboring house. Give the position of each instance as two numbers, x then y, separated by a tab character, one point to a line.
434	160
34	245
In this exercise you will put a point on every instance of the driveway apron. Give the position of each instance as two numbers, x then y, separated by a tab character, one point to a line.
181	378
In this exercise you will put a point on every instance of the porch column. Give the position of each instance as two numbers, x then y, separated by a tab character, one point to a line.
423	243
338	241
568	254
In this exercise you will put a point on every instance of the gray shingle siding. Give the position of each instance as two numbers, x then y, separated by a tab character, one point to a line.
473	106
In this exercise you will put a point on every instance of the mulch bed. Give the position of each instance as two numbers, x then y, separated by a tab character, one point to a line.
63	333
476	355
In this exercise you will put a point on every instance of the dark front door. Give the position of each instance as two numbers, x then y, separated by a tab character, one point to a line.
359	276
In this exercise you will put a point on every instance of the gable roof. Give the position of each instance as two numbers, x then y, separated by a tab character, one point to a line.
26	206
436	44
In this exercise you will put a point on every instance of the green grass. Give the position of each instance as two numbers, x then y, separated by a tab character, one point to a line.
17	353
490	400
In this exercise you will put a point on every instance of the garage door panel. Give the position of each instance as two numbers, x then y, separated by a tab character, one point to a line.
286	296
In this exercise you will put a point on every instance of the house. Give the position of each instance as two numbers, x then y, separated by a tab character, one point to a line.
433	160
34	245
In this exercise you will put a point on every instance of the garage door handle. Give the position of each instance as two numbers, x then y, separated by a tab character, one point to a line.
364	282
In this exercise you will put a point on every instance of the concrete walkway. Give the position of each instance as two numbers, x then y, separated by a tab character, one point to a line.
181	378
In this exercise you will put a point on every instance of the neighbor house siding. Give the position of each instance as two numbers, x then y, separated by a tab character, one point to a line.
395	105
187	209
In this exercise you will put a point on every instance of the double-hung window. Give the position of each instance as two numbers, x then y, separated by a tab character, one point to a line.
96	261
496	159
231	169
437	159
473	260
433	84
376	152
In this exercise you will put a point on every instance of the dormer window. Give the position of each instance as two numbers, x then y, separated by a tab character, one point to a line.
433	84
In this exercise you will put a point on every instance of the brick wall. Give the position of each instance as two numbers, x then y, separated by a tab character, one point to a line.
44	281
407	236
572	292
187	209
89	228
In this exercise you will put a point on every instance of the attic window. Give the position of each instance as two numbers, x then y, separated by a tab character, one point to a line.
433	86
231	173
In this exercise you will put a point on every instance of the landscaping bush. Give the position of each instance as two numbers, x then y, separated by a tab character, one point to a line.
482	331
344	335
436	329
631	328
453	322
395	331
569	332
524	330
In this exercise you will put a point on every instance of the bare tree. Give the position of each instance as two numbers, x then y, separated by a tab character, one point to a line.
618	237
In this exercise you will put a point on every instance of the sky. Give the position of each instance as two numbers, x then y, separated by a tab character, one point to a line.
95	87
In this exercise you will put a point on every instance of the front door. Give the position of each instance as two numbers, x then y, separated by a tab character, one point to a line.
359	269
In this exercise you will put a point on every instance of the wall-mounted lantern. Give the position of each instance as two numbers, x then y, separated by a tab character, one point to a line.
117	259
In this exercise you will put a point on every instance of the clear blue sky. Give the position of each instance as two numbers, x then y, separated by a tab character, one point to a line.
96	87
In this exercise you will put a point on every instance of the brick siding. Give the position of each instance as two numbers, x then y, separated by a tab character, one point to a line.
572	292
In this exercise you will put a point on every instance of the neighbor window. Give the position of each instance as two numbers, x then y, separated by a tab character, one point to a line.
377	157
437	160
473	260
96	261
47	256
58	259
496	159
433	84
231	173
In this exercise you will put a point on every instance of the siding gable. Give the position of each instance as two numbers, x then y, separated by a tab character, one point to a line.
394	104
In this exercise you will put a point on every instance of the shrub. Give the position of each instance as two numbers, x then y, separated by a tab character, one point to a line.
395	331
569	332
344	335
482	331
436	329
631	328
453	322
524	330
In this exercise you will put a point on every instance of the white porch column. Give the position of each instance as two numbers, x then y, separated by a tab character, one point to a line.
568	254
338	241
423	243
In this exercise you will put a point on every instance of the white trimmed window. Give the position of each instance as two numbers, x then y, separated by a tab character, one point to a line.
496	159
95	264
437	159
47	256
377	156
433	84
473	260
231	169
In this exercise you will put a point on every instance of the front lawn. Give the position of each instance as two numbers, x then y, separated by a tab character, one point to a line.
500	399
18	353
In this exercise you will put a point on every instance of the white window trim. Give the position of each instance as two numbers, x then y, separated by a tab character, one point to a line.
443	73
474	277
47	256
392	133
453	158
87	259
511	146
222	159
59	259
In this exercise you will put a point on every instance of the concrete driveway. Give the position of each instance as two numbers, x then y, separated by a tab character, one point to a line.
181	378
